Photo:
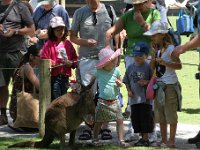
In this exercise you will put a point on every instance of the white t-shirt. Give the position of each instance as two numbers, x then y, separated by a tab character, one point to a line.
169	76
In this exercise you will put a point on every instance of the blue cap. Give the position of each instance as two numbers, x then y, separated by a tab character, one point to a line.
140	48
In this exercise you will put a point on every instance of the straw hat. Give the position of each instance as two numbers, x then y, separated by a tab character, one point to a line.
157	27
106	55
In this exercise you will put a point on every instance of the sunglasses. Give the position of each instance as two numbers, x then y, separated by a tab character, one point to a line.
94	16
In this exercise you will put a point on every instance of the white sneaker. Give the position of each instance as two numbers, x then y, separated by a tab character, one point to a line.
130	136
152	137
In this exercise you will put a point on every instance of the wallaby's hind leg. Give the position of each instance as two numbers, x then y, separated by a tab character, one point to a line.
72	138
62	141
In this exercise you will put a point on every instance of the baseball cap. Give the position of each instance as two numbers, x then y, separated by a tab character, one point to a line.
157	27
140	48
57	22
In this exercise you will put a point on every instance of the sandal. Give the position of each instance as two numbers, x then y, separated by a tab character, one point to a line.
106	134
86	135
95	142
123	144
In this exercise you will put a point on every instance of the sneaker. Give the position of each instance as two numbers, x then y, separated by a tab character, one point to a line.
130	136
152	137
142	142
195	139
3	120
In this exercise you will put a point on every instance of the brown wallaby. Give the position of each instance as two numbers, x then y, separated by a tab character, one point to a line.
64	115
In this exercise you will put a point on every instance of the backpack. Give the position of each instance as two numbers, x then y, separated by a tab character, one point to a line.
175	35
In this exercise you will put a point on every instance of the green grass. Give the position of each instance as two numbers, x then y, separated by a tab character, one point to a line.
190	92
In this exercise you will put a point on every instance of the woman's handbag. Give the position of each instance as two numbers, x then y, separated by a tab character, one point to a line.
27	109
184	23
150	91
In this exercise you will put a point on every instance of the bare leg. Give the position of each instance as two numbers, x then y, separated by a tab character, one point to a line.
163	130
173	128
120	129
4	93
96	130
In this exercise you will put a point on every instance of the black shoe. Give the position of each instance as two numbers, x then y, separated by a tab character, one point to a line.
194	139
142	142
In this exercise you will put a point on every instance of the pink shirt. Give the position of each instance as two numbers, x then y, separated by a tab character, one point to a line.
50	50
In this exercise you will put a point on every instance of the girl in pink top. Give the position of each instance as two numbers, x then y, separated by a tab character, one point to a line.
61	52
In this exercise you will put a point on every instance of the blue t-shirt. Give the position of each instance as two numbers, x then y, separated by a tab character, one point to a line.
108	89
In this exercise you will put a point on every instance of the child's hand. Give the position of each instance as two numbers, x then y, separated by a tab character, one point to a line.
118	82
161	61
68	63
142	82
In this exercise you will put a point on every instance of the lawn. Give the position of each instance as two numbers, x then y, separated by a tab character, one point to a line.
190	92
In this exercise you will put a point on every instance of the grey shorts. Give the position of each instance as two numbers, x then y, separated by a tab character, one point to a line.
8	63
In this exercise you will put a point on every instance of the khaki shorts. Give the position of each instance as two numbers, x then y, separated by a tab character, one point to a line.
168	112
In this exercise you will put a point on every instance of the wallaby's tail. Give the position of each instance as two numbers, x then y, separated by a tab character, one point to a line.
44	143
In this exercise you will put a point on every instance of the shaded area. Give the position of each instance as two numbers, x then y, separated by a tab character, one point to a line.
191	110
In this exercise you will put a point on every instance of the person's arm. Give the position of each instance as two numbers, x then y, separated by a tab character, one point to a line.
31	76
115	29
194	43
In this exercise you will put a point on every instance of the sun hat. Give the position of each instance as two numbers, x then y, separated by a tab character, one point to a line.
46	2
140	48
156	27
138	1
106	55
57	22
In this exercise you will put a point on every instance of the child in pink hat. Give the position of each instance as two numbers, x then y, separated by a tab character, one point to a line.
108	105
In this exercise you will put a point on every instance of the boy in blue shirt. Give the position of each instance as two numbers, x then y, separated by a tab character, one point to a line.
136	79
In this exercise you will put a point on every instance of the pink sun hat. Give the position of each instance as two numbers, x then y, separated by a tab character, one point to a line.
106	55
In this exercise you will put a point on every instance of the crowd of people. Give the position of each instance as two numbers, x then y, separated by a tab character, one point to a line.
149	52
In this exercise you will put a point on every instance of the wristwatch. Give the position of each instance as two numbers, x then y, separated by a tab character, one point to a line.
16	31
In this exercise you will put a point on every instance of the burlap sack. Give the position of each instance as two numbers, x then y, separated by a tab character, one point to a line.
27	110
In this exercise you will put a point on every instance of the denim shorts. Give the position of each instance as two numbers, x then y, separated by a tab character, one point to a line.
8	63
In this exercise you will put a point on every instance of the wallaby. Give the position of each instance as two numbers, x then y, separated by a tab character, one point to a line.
64	115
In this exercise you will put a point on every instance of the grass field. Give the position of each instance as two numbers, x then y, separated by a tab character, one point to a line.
190	91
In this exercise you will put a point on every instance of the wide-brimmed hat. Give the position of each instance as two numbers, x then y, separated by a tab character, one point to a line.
157	27
57	22
137	1
46	2
106	55
140	48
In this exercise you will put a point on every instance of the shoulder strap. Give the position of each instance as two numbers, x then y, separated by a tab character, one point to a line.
43	14
110	13
7	11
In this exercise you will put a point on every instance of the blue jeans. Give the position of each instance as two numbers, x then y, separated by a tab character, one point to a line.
59	86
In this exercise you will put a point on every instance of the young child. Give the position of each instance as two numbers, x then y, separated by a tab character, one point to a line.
136	79
108	105
60	51
168	92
